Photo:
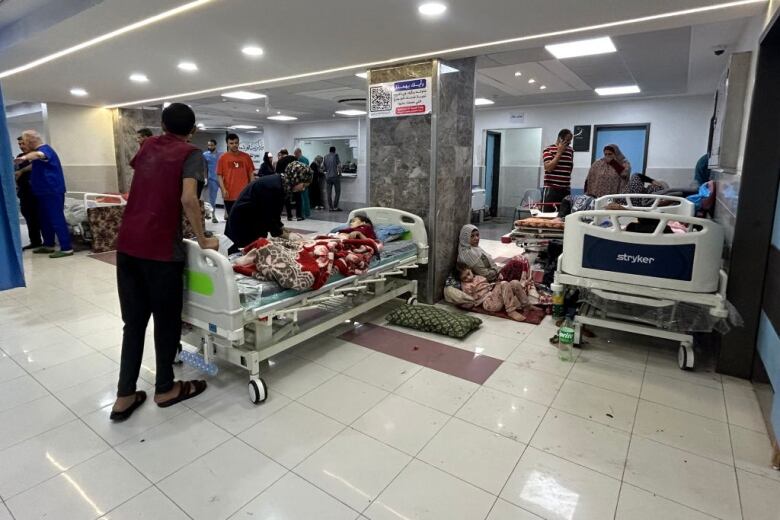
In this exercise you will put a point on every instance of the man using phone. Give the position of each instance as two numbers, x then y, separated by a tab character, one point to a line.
558	163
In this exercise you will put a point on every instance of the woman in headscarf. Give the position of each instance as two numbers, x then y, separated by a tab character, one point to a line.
609	175
472	256
257	212
317	187
267	166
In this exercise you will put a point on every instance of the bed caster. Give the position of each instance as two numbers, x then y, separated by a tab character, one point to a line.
258	392
685	358
412	300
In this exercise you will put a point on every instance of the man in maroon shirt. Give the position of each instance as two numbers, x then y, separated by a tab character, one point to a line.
150	258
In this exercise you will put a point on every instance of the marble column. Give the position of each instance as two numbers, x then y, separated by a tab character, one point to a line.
423	164
127	121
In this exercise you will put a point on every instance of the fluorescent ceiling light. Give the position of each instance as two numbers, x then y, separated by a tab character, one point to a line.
282	118
480	101
616	91
107	36
363	75
532	81
446	69
581	48
243	94
351	112
139	78
252	50
518	74
255	132
188	66
242	127
432	9
441	52
78	92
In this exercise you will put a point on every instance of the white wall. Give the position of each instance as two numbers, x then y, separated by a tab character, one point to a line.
678	130
16	129
83	137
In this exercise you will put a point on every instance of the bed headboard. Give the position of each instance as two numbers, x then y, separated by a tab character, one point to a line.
671	205
391	216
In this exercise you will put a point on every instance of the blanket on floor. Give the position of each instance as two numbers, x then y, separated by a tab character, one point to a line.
308	264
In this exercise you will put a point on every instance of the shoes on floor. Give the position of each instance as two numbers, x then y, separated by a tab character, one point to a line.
61	254
338	209
43	250
300	218
31	246
289	219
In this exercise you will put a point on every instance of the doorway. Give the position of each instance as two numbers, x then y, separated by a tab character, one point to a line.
492	171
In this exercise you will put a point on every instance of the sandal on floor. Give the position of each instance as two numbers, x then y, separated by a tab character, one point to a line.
185	392
140	397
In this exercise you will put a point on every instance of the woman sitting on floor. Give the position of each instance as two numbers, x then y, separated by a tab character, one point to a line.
481	263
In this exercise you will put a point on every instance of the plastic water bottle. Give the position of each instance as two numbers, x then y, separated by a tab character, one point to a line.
566	340
197	361
557	300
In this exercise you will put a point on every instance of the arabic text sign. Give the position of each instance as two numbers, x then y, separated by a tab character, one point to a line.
400	98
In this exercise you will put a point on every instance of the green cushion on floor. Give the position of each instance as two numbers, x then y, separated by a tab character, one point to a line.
432	319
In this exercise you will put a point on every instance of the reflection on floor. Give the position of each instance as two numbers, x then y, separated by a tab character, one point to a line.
350	432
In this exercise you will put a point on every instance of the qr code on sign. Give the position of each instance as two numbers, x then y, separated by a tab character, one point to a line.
381	99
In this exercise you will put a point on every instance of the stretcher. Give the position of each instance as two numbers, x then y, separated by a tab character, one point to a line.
221	324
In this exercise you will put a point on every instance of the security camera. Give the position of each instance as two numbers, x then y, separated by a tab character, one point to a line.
718	50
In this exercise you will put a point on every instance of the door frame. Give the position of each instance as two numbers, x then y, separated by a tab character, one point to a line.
492	197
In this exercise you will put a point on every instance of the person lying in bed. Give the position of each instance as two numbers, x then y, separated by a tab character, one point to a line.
494	297
360	227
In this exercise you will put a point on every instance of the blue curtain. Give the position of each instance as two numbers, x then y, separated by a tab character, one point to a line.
11	267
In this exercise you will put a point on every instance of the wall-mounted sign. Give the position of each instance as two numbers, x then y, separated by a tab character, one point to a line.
254	145
517	118
410	97
581	141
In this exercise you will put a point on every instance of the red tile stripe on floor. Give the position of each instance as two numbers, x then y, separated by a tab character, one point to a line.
432	354
108	257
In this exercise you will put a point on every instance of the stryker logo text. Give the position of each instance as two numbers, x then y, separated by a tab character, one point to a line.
635	259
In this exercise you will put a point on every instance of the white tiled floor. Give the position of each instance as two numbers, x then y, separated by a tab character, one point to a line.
348	433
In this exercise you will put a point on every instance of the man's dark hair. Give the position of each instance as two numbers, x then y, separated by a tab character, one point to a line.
178	119
213	141
564	133
332	149
230	137
145	132
20	138
284	151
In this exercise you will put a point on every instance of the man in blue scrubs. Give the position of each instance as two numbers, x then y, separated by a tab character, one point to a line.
212	157
47	182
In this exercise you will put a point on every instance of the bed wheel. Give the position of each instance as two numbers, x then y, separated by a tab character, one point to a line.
685	357
412	300
258	392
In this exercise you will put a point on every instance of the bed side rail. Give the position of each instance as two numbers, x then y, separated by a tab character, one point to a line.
410	221
659	203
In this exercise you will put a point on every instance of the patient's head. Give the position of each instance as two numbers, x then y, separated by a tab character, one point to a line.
360	219
464	273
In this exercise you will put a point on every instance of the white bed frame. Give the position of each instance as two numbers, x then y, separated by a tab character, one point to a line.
217	326
706	287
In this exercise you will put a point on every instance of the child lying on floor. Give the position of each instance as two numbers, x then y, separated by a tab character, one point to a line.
494	297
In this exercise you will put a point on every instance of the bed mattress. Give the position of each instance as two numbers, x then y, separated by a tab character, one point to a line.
254	293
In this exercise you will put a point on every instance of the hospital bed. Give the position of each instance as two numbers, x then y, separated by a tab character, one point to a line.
653	283
222	322
78	202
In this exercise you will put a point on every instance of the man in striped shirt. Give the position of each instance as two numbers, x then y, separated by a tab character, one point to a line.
558	163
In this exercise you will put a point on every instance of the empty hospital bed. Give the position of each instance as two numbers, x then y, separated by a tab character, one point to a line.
222	321
653	282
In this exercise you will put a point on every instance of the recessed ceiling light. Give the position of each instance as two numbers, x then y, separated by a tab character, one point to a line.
362	75
201	126
616	91
243	94
432	8
446	69
79	92
532	81
139	78
581	48
518	74
483	101
257	110
188	66
278	112
242	127
282	118
542	87
422	55
351	112
252	50
166	104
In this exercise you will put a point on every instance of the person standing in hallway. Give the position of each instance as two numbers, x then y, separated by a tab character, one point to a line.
701	173
293	198
318	186
47	183
267	167
142	135
211	156
235	170
305	199
558	164
151	255
28	205
332	166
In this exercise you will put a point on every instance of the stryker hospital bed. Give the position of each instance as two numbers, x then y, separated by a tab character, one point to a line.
223	321
658	284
